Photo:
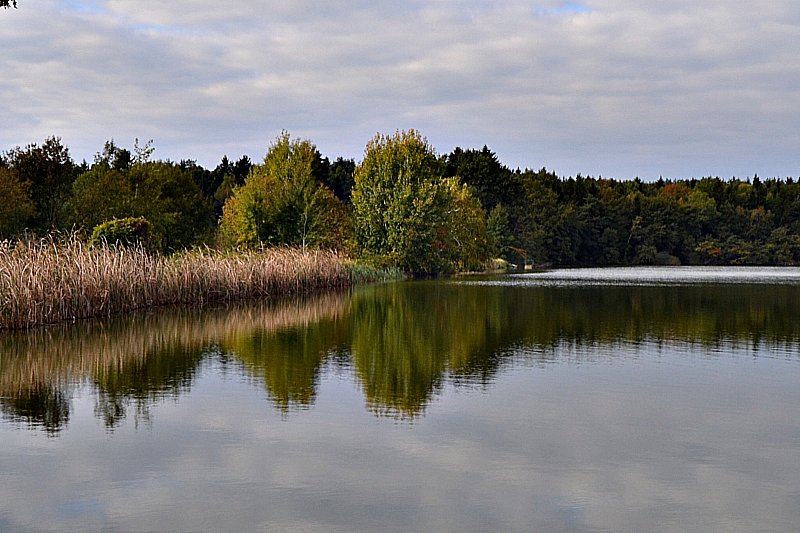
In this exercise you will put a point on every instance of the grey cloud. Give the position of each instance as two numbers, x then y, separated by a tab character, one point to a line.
620	88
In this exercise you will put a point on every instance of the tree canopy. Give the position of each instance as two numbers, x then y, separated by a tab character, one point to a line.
402	205
407	215
284	202
47	171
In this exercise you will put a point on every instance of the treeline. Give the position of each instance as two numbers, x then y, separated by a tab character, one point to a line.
582	221
402	205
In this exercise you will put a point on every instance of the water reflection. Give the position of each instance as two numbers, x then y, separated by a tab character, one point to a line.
287	356
401	341
141	359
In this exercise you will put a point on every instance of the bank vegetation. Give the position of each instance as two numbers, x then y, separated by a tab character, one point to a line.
49	281
176	232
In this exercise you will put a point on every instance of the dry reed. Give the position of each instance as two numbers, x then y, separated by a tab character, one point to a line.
46	282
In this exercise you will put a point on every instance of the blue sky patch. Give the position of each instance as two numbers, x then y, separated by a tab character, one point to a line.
567	8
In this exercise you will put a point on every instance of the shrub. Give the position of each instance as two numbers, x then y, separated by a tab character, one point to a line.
125	232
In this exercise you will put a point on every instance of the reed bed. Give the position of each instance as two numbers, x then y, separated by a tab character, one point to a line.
46	282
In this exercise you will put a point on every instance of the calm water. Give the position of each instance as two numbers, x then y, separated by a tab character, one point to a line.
581	400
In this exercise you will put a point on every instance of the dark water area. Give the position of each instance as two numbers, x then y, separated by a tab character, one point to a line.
579	400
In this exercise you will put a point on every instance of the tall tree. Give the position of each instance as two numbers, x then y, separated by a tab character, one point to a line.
405	213
49	172
492	181
282	202
16	208
226	177
340	178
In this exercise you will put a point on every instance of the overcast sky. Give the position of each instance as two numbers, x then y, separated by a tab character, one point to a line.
616	88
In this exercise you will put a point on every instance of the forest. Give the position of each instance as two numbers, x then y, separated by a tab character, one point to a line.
403	205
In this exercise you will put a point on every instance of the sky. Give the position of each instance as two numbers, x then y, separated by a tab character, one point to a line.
616	88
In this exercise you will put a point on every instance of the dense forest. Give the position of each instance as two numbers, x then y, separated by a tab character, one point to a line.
402	205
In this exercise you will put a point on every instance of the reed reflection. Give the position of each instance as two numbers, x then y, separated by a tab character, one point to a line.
138	360
402	341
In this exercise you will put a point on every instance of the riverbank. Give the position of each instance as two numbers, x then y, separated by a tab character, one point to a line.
46	282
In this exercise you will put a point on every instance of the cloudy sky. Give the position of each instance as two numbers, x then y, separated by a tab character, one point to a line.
617	88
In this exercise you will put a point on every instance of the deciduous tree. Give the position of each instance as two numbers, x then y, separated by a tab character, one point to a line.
49	172
282	202
407	215
16	207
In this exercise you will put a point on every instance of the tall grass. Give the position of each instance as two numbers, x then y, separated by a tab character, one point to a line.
64	354
46	281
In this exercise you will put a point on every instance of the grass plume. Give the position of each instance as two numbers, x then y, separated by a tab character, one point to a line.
47	281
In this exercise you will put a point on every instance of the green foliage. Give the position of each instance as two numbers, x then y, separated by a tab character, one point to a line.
162	192
16	208
124	231
48	172
407	216
491	181
464	234
340	179
170	199
217	185
406	207
498	232
100	194
283	203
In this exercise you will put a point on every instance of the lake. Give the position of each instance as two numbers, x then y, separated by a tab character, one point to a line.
642	399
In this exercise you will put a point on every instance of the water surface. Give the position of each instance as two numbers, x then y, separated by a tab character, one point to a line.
581	400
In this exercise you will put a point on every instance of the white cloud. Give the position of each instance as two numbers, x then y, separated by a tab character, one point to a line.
618	88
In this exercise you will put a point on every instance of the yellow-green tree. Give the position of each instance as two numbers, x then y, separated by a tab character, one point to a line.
465	236
407	215
282	202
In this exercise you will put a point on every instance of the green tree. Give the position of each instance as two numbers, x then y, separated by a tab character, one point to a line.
399	205
498	232
16	208
225	178
282	202
102	193
464	234
493	183
339	178
49	172
170	199
163	192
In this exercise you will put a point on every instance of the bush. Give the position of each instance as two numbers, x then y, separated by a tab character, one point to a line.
125	232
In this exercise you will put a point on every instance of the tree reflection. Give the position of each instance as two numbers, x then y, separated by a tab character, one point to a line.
288	361
286	346
42	406
142	359
403	341
144	381
407	337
